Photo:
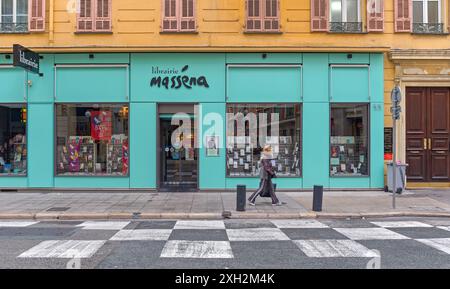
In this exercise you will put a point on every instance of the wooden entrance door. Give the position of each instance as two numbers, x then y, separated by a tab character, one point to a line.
427	134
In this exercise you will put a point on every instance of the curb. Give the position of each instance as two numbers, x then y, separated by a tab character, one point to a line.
214	216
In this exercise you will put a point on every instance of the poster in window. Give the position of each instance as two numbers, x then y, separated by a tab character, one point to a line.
101	125
212	146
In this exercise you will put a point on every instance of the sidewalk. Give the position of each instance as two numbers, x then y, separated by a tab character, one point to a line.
151	205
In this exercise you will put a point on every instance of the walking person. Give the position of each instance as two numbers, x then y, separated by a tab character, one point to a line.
266	174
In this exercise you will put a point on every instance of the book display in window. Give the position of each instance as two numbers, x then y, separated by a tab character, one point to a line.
78	156
13	156
240	159
286	157
348	156
117	155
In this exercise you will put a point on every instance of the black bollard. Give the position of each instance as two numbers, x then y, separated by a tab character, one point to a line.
241	198
317	198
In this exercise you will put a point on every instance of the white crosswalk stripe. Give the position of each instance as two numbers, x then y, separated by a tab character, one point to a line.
446	228
64	249
16	224
199	225
370	234
404	224
334	248
103	225
197	249
142	235
257	234
299	224
442	244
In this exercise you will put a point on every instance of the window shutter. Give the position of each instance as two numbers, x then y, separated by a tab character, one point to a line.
36	15
187	20
254	13
271	15
403	15
375	15
319	15
169	17
102	15
85	20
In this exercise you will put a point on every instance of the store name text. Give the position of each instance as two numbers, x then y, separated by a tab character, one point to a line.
173	79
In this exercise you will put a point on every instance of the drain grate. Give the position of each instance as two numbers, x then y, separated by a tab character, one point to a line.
58	209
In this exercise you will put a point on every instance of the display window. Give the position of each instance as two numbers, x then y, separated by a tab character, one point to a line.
92	140
349	143
13	140
252	126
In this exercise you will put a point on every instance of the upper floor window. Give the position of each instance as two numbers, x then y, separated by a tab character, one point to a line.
179	16
419	16
19	16
427	16
94	16
14	16
263	16
346	15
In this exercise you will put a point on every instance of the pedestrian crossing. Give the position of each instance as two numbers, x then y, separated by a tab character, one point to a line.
217	239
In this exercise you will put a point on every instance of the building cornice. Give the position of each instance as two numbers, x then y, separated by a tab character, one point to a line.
419	54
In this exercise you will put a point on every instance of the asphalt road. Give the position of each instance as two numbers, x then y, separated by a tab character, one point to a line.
231	244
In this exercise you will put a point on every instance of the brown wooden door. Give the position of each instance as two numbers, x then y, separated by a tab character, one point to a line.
427	134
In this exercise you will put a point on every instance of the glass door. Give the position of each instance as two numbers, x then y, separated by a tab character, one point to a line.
178	162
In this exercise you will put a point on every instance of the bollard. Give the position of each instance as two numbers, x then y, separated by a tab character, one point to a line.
317	198
241	197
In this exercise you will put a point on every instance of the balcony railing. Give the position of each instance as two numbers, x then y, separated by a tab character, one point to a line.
13	27
346	27
428	28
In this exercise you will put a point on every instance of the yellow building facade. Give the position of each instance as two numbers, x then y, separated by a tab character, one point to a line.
411	60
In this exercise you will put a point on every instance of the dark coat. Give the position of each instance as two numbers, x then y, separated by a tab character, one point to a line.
266	174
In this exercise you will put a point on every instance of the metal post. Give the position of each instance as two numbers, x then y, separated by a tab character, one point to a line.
241	198
394	165
317	198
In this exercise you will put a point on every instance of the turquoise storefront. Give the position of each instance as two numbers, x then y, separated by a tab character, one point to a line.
337	99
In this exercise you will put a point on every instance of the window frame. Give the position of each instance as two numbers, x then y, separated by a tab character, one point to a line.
94	18
300	149
14	17
24	105
263	18
344	11
55	139
369	161
179	18
425	11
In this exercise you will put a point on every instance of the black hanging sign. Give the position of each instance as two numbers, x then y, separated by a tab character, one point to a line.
25	58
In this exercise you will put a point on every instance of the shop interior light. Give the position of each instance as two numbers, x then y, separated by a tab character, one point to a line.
23	115
123	111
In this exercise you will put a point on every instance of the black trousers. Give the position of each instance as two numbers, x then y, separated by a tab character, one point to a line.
265	184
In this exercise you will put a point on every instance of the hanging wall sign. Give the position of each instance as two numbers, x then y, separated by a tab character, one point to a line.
25	58
173	78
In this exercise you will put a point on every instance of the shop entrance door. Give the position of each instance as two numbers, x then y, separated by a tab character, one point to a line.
178	163
428	134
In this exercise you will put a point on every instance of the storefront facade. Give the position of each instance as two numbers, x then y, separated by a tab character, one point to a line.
104	120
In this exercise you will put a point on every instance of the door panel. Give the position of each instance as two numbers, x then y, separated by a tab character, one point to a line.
416	134
427	134
438	133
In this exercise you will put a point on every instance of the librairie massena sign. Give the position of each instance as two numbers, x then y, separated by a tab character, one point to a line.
25	58
173	78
